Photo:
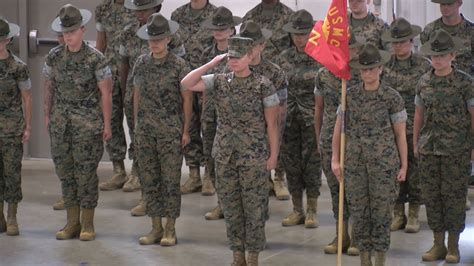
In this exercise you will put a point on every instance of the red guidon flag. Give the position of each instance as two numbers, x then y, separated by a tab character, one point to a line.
329	40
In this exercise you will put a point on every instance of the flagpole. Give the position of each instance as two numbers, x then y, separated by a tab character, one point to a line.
340	222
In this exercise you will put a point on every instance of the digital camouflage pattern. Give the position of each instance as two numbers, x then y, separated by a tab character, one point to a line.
328	87
274	21
444	190
372	163
14	77
371	30
11	154
158	131
447	122
197	38
239	188
131	47
298	151
76	120
465	31
399	75
111	19
240	152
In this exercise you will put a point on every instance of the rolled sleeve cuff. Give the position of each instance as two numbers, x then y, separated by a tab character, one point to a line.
102	74
317	92
47	71
122	51
399	117
339	111
208	81
470	102
24	85
419	101
282	94
99	27
271	101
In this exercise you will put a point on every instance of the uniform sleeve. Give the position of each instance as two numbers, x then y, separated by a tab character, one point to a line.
470	92
270	97
98	18
397	109
281	84
418	99
208	81
47	68
102	70
23	78
317	85
185	69
138	80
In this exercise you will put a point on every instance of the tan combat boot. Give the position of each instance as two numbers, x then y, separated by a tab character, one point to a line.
169	237
155	234
73	226
297	216
331	248
207	185
3	223
438	251
453	255
379	258
311	221
279	186
117	180
133	182
215	214
140	209
413	225
399	219
87	221
353	250
365	259
59	205
12	224
239	259
193	184
252	259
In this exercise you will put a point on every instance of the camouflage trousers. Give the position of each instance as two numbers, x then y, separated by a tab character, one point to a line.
76	159
116	147
11	154
239	188
444	190
209	127
128	108
160	163
371	190
410	190
193	152
301	159
333	184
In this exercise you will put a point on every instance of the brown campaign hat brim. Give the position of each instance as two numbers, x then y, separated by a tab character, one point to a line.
14	31
426	48
207	24
143	34
266	34
384	58
56	24
358	43
130	5
288	27
387	36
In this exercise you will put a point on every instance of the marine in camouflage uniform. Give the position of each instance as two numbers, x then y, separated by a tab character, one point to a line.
400	73
442	138
131	47
367	26
78	109
376	154
245	147
327	93
300	157
272	17
277	76
111	18
15	125
162	118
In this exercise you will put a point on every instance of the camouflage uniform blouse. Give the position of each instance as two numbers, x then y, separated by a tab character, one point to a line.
160	112
465	31
241	126
403	76
371	30
280	40
112	19
197	38
301	71
14	78
276	75
329	86
76	98
447	123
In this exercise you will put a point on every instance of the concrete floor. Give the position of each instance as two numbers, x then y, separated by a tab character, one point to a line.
201	242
